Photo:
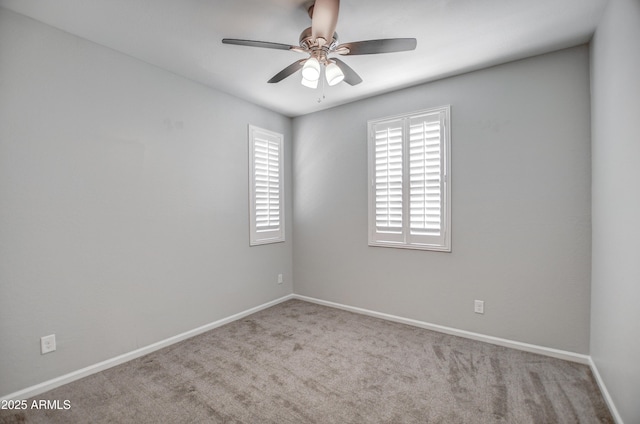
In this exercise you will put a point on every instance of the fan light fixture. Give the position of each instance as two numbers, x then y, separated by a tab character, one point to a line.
311	70
334	74
309	83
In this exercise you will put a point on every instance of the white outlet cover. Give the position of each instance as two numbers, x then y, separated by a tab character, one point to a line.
478	307
47	344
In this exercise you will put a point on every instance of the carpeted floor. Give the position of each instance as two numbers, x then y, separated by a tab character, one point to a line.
299	362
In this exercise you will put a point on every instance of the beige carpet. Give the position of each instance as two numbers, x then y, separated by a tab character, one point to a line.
298	362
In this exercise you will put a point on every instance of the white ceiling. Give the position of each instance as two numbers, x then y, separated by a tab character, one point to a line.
454	36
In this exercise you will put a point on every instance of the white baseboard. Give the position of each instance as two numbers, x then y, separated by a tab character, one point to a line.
605	393
109	363
547	351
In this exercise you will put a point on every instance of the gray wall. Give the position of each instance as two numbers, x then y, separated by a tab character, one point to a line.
615	298
123	204
521	206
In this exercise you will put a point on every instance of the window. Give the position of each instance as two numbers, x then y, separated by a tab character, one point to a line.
266	188
409	189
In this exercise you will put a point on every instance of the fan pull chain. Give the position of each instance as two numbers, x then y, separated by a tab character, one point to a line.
323	96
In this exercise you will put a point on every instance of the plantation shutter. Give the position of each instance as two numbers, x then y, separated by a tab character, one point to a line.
387	181
426	188
266	186
409	194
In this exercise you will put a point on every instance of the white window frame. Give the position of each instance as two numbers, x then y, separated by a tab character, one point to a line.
400	232
274	196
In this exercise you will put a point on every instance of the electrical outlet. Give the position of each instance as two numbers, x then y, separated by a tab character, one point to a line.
47	344
478	306
280	280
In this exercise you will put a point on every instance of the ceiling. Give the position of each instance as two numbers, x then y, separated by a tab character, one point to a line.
454	36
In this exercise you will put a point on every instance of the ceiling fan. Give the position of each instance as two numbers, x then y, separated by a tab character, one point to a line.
320	41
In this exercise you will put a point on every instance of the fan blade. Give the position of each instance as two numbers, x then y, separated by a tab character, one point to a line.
389	45
251	43
350	76
324	19
289	70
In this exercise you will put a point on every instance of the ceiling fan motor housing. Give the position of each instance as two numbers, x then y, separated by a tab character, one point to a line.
315	49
